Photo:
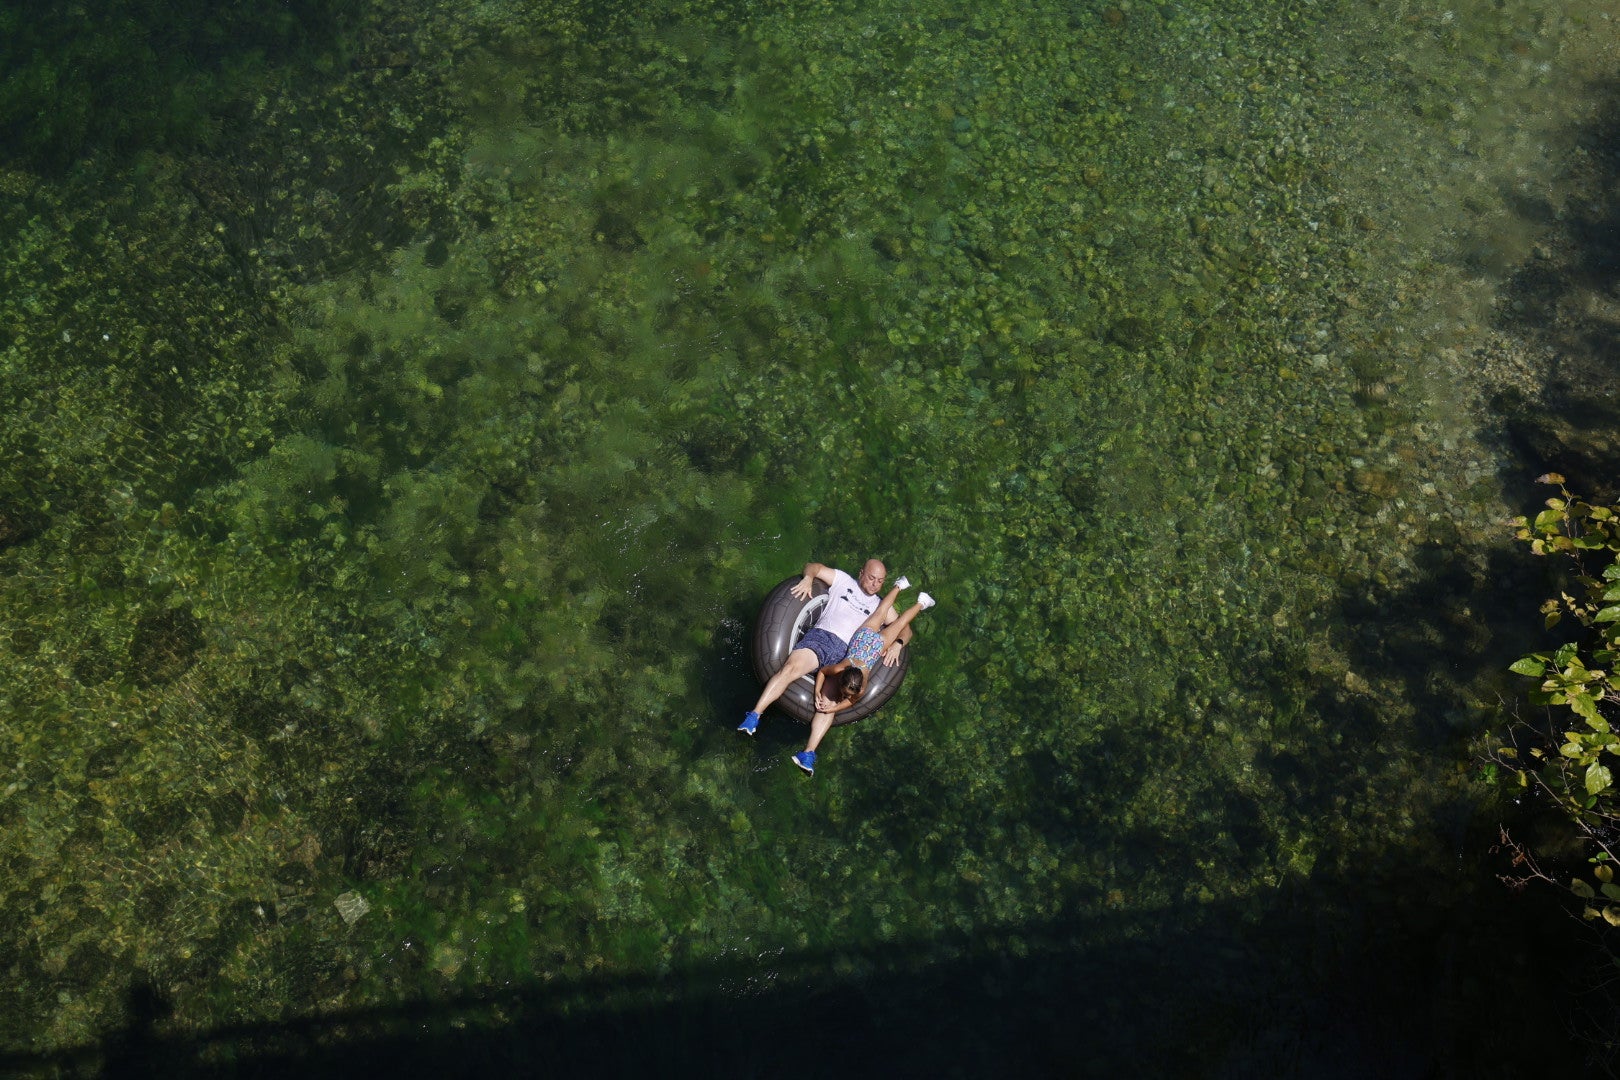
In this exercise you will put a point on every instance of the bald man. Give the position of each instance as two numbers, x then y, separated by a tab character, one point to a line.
850	601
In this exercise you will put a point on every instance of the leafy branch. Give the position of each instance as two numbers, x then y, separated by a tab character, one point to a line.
1575	767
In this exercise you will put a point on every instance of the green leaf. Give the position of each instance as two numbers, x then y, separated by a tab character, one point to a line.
1611	915
1548	521
1603	873
1610	889
1612	592
1598	779
1611	572
1528	665
1581	889
1608	614
1590	540
1585	707
1565	653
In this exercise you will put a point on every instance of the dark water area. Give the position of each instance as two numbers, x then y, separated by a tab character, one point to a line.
395	459
1173	998
118	77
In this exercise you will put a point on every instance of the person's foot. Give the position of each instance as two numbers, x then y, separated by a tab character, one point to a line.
750	724
925	601
903	584
806	760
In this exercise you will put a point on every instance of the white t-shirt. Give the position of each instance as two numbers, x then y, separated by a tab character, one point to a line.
847	607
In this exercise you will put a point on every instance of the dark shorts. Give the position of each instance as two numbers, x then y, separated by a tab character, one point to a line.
828	649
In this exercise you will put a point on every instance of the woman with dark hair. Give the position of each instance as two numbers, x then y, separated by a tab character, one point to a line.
840	685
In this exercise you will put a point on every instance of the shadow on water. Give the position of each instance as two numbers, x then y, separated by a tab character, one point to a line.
1422	982
1468	611
124	76
1565	303
1465	617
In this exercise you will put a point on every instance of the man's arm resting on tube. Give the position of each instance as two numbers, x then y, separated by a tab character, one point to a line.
813	571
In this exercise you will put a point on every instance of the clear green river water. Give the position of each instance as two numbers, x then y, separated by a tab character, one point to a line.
390	479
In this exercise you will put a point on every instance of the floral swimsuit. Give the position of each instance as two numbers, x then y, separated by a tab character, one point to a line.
864	648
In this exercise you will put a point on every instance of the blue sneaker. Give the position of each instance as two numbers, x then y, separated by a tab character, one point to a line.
750	724
806	760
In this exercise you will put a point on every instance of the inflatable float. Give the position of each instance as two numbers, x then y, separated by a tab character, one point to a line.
782	621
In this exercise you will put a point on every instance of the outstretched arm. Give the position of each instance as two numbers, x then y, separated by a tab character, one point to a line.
813	571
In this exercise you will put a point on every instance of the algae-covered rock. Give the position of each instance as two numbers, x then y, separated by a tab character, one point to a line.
1131	333
164	646
1374	482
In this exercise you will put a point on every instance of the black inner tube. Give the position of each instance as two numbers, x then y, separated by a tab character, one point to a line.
783	620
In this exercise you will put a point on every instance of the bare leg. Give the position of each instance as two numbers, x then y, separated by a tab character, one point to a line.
820	724
874	621
800	662
891	633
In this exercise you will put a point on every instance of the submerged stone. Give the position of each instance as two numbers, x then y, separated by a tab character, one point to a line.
1374	482
351	905
1131	333
164	646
